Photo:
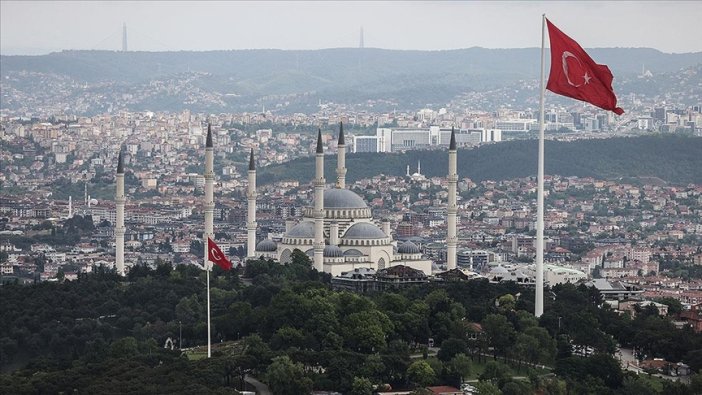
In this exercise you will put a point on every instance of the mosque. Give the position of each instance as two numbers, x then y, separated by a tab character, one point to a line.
338	231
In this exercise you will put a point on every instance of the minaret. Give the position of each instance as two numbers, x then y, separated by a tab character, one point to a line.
251	216
341	162
419	167
451	239
209	189
70	207
319	206
119	222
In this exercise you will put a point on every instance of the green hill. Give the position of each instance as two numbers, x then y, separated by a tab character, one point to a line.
337	66
677	160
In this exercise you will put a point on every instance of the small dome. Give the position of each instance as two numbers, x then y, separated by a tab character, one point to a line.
266	245
353	252
304	229
408	248
364	230
333	252
499	270
342	198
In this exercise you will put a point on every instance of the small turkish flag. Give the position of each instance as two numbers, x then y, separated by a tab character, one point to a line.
575	74
215	255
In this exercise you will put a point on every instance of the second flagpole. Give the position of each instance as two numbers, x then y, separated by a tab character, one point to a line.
539	303
209	222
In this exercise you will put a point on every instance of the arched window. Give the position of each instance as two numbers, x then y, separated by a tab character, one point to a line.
285	256
381	264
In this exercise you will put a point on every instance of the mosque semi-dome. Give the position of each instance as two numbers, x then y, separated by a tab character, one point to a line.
364	230
304	229
342	198
333	251
266	245
408	248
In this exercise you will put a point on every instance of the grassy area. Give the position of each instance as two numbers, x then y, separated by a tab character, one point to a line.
227	348
477	368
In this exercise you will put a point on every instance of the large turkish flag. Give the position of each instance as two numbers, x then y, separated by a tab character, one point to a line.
214	254
575	74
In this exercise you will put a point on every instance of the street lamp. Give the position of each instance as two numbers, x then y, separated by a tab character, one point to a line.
180	342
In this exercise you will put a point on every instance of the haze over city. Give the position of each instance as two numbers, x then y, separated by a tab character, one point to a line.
187	25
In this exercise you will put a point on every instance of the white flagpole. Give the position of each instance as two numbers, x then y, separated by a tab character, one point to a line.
209	225
209	330
539	304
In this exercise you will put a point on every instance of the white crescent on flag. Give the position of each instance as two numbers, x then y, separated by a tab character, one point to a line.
215	256
564	58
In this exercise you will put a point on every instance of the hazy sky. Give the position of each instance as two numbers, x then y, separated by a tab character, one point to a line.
30	27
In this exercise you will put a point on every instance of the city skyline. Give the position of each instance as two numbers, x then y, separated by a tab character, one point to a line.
423	25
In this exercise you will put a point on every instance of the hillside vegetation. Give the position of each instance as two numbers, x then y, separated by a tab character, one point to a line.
677	160
325	66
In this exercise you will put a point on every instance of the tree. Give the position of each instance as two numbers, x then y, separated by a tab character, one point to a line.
461	365
500	333
124	347
361	386
517	388
450	348
506	303
487	388
420	373
287	378
495	372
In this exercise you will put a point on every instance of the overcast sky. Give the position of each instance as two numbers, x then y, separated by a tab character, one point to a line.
32	27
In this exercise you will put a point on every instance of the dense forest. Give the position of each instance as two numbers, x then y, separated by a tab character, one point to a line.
675	159
285	326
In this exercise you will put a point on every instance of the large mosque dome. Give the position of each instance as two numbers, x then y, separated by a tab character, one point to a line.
304	229
408	248
342	198
364	230
266	245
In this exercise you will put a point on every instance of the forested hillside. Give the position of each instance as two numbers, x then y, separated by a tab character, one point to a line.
676	160
286	327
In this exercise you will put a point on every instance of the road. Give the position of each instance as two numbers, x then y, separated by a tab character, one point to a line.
261	389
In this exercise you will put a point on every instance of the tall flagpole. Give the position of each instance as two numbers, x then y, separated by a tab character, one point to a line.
209	223
539	304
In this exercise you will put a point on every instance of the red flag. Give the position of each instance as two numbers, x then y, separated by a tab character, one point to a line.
575	74
215	255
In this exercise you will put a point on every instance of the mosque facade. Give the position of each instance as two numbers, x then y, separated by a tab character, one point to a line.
350	237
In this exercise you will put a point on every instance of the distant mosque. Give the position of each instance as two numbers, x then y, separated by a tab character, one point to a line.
338	231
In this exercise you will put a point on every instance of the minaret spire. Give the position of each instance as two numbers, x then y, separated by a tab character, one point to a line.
319	205
119	214
208	142
452	209
341	161
251	213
